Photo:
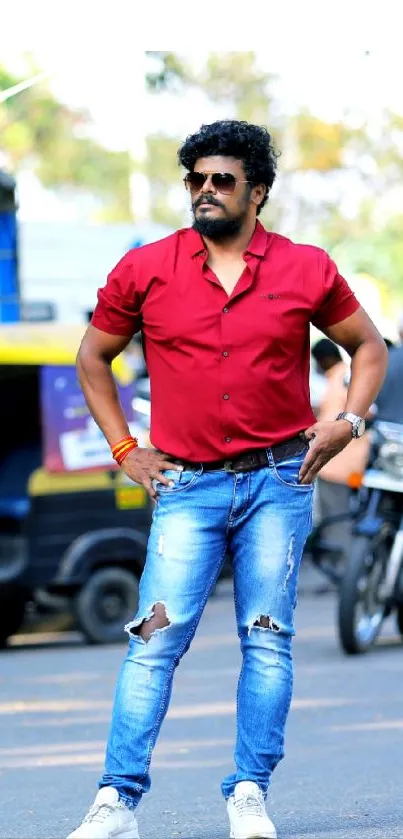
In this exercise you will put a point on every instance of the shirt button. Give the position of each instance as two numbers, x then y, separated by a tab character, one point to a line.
225	396
225	309
225	354
228	439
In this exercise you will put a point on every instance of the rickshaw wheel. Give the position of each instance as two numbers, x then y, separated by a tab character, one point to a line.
106	602
12	613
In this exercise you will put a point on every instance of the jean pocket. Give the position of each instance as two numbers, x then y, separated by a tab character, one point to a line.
287	472
180	481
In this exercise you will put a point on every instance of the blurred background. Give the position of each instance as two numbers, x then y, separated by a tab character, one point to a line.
90	122
89	128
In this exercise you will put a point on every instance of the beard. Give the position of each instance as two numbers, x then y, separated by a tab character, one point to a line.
218	229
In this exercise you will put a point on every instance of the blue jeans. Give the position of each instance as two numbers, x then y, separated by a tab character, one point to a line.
263	518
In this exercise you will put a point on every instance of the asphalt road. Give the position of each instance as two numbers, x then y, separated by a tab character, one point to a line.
341	779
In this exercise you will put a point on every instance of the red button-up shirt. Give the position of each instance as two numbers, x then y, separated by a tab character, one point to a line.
228	374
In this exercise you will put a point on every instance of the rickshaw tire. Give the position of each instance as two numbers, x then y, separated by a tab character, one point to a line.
90	606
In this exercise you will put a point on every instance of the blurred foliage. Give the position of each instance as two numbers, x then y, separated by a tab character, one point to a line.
378	253
232	79
161	169
318	145
228	78
39	132
340	182
170	72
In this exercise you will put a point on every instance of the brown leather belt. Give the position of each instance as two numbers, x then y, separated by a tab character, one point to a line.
247	461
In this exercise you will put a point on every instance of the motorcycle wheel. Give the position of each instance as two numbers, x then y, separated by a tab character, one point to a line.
361	613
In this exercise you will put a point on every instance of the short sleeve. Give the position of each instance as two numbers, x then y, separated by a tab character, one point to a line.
118	310
337	301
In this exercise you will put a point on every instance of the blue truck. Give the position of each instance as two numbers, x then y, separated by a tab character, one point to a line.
9	280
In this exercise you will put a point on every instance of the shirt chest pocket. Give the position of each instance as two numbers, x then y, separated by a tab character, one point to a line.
275	320
178	322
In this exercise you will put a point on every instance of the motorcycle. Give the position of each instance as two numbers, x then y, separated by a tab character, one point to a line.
371	588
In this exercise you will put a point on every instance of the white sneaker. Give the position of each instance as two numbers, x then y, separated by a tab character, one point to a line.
108	817
247	813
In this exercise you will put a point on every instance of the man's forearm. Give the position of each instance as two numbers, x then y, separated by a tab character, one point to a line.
368	368
102	398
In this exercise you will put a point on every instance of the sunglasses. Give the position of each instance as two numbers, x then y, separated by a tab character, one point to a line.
223	182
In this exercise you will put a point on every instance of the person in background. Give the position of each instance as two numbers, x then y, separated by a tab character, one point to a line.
389	404
317	387
332	489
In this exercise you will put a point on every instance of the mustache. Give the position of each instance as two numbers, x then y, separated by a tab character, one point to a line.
206	199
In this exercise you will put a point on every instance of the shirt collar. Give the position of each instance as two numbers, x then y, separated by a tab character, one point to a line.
257	245
195	242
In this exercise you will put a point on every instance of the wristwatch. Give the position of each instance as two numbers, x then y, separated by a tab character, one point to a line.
357	423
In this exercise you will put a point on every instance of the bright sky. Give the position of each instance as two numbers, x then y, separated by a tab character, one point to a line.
327	54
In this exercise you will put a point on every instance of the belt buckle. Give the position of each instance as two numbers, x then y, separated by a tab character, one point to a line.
228	466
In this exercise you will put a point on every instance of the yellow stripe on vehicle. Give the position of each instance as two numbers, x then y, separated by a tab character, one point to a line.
42	482
129	498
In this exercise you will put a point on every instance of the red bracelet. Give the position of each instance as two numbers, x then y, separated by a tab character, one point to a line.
121	449
121	443
121	457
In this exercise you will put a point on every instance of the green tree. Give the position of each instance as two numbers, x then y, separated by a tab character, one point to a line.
37	130
340	182
168	71
310	146
231	80
317	145
162	171
355	243
234	81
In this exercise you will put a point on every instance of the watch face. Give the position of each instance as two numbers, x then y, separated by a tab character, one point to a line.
360	428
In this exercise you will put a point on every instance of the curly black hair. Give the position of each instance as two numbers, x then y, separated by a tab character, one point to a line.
252	144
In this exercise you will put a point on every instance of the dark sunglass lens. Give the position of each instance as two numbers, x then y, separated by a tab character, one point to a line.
194	181
224	182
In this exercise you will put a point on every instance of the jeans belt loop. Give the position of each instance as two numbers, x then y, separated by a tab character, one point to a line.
270	458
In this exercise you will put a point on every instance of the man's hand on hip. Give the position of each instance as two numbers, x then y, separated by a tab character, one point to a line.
145	465
328	439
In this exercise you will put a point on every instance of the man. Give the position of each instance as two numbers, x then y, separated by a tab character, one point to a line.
332	491
224	310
